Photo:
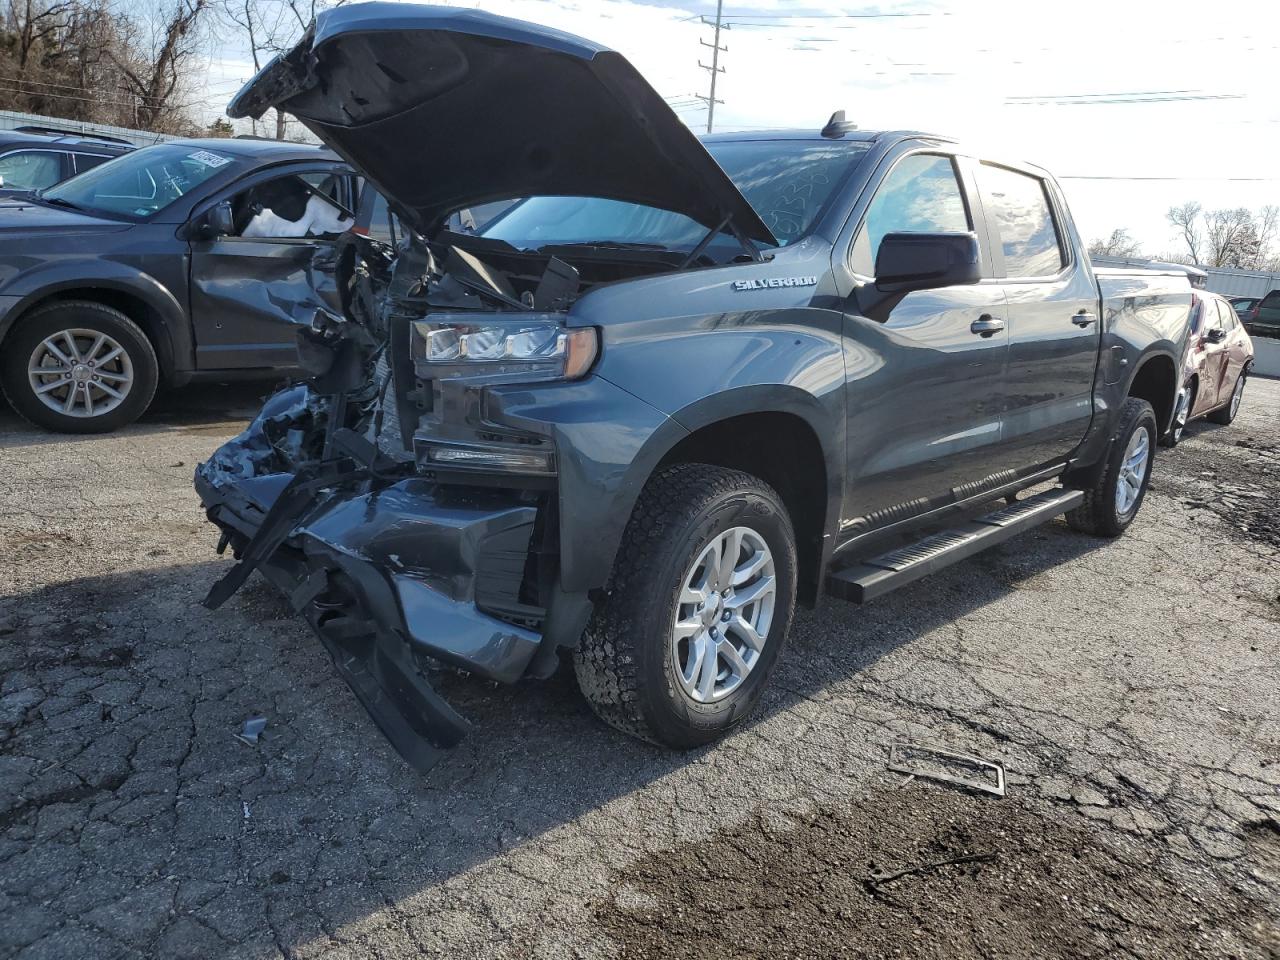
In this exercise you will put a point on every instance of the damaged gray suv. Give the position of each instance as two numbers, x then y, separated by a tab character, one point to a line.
675	389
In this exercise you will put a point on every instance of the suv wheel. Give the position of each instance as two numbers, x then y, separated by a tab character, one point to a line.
1115	497
78	367
1224	415
698	604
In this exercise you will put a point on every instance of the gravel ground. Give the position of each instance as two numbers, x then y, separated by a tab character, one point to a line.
1129	687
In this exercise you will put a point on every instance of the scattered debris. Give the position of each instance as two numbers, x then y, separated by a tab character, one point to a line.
244	805
180	463
879	878
250	730
900	761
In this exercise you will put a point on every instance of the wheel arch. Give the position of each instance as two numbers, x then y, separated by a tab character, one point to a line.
1155	380
139	297
782	447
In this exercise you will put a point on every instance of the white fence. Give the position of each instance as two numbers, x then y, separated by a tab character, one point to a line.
1242	283
12	119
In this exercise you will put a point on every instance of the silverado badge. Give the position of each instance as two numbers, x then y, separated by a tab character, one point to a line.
775	282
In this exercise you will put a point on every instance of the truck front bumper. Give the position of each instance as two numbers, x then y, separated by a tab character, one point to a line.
398	579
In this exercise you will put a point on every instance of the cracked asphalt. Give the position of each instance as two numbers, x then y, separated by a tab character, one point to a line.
1129	687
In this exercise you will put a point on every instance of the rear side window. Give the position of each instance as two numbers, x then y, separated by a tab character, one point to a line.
30	169
920	195
1226	315
87	161
1019	206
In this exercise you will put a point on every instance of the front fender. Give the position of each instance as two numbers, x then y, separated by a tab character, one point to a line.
87	274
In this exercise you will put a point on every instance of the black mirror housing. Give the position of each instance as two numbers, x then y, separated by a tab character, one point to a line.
1215	336
926	261
218	221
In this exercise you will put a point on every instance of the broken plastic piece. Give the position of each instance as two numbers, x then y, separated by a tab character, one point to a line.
251	729
899	762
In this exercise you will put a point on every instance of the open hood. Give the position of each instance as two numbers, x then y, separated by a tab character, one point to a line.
443	108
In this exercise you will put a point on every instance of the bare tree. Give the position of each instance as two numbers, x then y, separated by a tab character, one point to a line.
154	81
273	27
1120	244
1186	218
1231	237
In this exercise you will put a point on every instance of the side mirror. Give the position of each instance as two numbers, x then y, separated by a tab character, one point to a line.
926	261
218	222
907	262
1216	335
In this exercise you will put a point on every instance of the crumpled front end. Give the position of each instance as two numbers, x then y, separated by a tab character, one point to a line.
396	576
398	572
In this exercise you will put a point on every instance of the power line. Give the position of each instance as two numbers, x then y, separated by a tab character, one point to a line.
1176	179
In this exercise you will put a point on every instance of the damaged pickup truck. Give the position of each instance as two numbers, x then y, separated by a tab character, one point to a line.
677	388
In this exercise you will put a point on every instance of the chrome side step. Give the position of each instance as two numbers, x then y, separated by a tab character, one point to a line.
866	581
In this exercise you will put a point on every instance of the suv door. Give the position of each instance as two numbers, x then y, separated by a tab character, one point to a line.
926	385
250	292
1054	329
33	169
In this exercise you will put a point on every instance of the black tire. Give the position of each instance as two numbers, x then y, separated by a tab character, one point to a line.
1181	417
1224	415
47	321
1100	514
624	664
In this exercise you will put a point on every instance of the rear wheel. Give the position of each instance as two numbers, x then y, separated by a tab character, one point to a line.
698	605
1224	415
78	367
1113	500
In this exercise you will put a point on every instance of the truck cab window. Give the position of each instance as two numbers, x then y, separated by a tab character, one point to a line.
1020	208
920	195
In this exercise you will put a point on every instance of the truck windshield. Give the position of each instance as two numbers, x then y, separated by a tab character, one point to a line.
139	184
788	182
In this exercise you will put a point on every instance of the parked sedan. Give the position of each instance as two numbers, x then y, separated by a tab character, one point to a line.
1243	306
1215	365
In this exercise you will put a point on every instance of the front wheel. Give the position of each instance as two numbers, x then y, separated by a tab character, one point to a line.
1112	502
78	367
697	607
1224	415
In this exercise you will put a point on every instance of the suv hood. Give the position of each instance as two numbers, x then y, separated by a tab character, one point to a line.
443	108
19	213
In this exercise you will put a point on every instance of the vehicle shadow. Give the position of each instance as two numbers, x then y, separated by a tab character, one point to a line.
322	775
214	408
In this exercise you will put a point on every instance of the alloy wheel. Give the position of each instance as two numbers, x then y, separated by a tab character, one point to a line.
1133	470
723	615
80	373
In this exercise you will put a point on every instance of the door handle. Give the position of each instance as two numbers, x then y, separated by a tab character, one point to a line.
986	325
1084	318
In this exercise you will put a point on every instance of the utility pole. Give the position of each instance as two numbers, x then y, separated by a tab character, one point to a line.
714	68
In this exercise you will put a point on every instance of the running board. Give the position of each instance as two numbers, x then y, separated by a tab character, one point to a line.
866	581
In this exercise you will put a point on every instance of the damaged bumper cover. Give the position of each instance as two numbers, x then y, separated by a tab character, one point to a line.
395	578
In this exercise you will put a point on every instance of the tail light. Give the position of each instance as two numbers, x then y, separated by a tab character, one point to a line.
1254	310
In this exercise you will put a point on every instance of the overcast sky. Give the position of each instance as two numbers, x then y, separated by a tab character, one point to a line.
1182	94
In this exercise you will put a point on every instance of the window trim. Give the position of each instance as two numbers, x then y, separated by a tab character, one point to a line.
972	214
1066	250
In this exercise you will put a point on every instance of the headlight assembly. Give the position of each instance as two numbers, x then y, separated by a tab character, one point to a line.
467	346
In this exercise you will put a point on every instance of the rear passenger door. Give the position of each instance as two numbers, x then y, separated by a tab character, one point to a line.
1053	317
926	385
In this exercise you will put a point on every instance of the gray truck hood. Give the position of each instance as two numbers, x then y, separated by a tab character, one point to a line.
443	108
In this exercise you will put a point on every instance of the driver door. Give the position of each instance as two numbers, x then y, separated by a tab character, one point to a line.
250	293
926	386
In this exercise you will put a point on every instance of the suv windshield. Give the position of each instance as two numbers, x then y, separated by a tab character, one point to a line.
140	184
787	182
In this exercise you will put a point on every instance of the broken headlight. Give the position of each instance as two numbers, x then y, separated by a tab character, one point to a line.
468	347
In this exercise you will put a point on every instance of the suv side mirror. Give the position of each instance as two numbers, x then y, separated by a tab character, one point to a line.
926	261
218	222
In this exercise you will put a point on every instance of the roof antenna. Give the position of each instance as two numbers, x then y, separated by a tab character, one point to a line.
838	126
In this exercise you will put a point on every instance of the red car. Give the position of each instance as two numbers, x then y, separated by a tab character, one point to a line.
1216	364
